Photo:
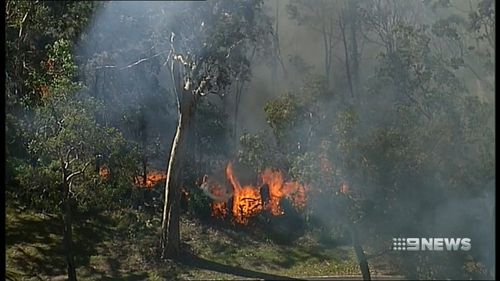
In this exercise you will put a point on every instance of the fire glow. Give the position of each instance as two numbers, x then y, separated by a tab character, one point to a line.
249	200
152	178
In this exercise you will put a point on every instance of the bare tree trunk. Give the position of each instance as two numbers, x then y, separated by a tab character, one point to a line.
239	90
327	32
276	50
328	66
355	53
170	237
144	170
67	229
140	201
347	66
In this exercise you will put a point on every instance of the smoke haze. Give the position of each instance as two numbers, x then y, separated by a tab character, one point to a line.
124	32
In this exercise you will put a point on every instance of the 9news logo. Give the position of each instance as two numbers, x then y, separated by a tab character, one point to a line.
431	244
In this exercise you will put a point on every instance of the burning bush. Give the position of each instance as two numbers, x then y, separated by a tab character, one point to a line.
251	200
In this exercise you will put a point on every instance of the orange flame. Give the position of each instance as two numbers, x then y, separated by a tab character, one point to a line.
249	200
219	208
344	188
104	172
297	194
152	179
218	194
279	189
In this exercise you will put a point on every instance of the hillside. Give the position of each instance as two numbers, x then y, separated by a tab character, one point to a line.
108	249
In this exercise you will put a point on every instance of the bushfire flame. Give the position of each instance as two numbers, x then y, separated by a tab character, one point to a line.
152	178
249	200
104	172
279	189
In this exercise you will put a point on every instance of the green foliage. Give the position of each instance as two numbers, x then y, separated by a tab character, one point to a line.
199	204
30	30
37	188
292	117
62	133
344	131
282	114
257	152
134	223
219	49
305	168
60	67
422	135
211	130
424	154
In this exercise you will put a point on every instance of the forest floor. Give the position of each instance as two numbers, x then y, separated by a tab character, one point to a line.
121	246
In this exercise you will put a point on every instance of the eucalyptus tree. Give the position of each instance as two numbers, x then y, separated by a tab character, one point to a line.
210	43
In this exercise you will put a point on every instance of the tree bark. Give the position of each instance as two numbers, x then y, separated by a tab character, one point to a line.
328	59
276	51
144	170
355	53
170	238
67	229
347	66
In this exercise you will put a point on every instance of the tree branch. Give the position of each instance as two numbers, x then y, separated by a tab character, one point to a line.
67	162
74	174
21	24
132	64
